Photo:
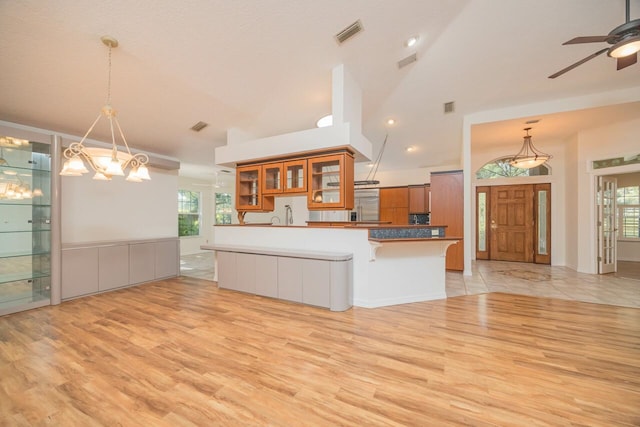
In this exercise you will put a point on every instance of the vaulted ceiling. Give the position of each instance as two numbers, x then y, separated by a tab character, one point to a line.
264	67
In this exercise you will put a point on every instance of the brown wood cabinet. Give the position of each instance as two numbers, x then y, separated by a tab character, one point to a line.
419	199
327	179
394	205
330	184
447	208
284	177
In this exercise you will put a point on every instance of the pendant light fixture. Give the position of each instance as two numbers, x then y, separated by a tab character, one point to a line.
528	157
106	162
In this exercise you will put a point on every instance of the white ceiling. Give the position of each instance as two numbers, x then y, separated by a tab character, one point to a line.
264	67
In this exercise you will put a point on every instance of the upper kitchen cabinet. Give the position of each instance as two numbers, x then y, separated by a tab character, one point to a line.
284	177
419	199
249	192
394	205
330	182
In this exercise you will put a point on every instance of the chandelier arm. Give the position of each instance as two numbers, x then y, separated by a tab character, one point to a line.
537	152
114	148
77	151
122	136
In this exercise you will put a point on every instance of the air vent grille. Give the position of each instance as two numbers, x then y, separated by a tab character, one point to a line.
408	60
199	126
349	32
449	107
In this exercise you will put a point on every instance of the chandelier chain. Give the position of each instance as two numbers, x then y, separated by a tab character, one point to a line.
109	81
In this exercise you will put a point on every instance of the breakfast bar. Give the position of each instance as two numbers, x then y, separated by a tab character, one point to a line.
390	264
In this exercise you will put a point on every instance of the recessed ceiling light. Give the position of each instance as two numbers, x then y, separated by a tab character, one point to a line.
391	122
370	165
410	149
325	121
411	41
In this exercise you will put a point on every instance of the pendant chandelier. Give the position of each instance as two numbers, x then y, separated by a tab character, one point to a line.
528	157
105	162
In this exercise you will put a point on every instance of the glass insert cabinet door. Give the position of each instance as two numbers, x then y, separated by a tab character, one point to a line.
272	178
25	224
295	176
248	188
330	182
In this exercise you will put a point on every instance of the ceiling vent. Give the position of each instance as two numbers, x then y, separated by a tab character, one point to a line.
408	60
199	126
349	32
449	107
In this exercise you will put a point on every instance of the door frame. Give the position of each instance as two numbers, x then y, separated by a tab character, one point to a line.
538	258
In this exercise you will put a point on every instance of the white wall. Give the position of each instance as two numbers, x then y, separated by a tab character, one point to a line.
298	206
399	177
571	202
119	210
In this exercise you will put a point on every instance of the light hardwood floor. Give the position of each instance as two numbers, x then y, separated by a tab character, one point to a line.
182	352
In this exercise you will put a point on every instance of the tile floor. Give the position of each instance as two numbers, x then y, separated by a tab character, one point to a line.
621	289
547	281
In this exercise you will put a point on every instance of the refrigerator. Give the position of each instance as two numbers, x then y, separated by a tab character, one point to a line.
366	206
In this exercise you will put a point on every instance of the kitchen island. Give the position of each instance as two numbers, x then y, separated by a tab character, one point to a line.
390	264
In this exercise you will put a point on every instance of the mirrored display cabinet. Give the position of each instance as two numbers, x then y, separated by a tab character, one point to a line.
25	224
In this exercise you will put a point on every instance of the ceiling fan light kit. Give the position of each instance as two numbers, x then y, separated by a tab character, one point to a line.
625	47
625	41
105	162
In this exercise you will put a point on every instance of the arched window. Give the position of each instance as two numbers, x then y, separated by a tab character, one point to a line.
500	168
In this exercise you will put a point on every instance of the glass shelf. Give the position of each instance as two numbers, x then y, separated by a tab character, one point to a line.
34	230
22	254
22	202
16	277
23	171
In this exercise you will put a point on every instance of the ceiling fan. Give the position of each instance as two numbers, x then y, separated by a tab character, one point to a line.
624	41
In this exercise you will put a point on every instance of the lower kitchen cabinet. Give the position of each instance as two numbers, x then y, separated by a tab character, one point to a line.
246	273
228	274
316	276
267	271
290	279
319	282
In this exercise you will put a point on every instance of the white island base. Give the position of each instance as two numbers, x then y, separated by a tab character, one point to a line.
385	272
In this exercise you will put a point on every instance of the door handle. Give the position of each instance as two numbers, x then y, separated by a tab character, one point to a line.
493	225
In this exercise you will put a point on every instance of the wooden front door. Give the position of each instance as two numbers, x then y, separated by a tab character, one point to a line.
511	223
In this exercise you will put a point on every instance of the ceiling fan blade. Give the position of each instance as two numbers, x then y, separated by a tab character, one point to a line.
625	61
582	61
587	39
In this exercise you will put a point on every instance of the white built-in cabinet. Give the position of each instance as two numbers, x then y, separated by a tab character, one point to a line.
317	279
99	267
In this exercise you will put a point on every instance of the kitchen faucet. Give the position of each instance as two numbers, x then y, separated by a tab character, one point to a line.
288	215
